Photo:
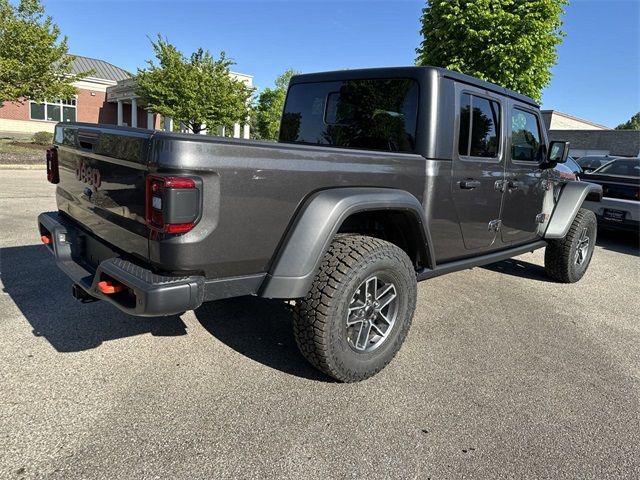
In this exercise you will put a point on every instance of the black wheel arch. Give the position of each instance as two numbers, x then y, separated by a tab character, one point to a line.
391	214
570	201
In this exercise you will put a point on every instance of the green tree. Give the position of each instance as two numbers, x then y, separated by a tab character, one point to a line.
34	60
508	42
197	91
632	124
268	111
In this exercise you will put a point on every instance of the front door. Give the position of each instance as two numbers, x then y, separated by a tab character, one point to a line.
478	167
525	181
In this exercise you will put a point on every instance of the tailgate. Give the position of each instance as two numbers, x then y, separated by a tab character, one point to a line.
102	182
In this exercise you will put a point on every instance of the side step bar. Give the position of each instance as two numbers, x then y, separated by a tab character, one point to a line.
468	263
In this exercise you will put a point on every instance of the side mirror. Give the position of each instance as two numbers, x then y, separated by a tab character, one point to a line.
558	152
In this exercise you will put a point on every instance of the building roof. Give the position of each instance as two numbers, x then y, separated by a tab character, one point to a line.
577	119
101	69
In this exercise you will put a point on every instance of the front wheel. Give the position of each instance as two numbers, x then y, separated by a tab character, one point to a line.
566	260
359	309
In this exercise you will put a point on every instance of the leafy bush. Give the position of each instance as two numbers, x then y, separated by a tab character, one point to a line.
42	138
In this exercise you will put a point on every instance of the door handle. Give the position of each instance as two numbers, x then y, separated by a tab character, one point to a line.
514	185
469	184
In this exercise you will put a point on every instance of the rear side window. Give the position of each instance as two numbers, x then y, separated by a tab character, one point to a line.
525	136
373	114
479	127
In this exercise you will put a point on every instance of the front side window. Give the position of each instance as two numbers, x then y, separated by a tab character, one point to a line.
54	111
479	131
525	136
372	114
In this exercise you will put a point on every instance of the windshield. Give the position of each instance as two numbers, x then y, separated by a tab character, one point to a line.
573	165
594	162
629	168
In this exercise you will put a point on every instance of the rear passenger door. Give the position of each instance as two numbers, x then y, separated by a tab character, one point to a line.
478	166
525	182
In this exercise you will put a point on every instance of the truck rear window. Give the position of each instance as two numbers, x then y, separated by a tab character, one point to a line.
372	114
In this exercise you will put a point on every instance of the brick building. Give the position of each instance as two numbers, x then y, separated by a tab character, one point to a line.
589	138
107	96
89	105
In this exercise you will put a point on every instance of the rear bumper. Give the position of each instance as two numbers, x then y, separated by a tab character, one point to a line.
631	209
146	293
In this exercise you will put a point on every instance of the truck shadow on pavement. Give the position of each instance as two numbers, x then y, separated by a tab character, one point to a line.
259	329
43	295
625	243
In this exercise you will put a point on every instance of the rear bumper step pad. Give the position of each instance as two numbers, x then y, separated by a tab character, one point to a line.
146	293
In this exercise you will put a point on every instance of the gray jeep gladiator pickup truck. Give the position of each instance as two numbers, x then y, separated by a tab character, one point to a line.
381	178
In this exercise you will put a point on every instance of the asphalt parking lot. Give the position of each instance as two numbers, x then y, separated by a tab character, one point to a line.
504	375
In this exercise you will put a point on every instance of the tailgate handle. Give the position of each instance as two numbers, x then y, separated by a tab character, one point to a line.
87	140
469	184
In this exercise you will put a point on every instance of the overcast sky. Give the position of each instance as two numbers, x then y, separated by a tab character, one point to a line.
597	76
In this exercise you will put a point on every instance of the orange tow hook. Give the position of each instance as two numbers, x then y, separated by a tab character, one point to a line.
109	288
46	239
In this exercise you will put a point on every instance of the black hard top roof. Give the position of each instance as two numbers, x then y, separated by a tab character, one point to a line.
410	72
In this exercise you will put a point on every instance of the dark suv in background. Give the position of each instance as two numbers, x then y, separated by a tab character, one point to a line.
590	163
620	205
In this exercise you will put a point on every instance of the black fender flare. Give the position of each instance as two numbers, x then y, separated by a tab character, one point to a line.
304	246
566	208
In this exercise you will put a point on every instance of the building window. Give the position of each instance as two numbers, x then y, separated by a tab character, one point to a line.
55	111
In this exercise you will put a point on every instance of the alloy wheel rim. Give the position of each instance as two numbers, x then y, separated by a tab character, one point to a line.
583	247
373	310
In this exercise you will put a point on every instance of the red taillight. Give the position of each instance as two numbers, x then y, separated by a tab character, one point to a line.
53	173
159	190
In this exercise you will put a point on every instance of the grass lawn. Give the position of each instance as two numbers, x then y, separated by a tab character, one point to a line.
21	152
20	146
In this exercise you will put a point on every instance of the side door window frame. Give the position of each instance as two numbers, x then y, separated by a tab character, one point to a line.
462	89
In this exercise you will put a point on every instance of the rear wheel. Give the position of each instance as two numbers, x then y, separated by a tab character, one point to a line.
566	260
359	309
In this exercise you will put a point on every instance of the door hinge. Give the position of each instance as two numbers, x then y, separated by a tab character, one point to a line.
494	225
541	218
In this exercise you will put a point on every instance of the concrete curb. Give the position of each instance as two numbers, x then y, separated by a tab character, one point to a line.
19	166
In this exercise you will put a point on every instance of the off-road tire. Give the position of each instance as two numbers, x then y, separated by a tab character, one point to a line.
560	255
320	318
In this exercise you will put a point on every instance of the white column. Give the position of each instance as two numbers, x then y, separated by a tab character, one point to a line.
245	133
221	131
236	130
120	113
134	112
168	124
151	123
